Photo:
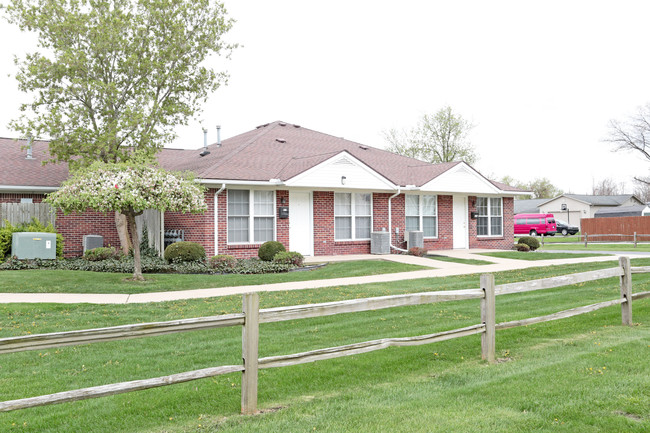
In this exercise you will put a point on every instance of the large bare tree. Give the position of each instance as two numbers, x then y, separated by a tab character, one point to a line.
632	134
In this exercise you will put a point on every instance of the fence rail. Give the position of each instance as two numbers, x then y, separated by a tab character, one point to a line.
252	316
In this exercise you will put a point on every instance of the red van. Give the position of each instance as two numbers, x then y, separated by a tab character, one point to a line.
534	224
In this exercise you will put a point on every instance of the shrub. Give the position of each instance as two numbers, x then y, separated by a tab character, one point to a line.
223	263
417	251
145	249
184	252
269	249
522	247
102	253
289	258
532	242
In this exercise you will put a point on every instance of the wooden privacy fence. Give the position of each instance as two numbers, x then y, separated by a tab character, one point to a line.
18	213
252	316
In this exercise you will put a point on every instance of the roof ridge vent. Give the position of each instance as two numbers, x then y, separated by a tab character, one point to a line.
282	124
296	126
280	140
362	147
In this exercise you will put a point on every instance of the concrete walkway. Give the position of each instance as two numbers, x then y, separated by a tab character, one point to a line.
438	268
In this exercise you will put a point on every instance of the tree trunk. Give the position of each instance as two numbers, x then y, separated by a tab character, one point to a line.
122	232
137	264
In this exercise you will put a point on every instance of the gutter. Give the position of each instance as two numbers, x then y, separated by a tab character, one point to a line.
390	220
34	189
216	218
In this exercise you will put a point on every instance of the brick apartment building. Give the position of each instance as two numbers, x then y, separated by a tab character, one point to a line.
316	193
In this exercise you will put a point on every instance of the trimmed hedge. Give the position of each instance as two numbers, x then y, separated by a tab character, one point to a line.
102	253
533	243
522	247
269	249
184	252
289	258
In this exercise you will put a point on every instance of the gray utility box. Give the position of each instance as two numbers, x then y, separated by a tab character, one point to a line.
33	245
380	243
414	239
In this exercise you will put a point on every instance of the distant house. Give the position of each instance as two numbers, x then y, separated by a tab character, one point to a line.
529	206
623	211
316	193
573	207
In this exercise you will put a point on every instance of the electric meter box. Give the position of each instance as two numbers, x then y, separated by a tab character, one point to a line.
33	245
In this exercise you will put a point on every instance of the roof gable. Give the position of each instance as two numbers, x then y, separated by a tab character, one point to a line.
461	178
341	171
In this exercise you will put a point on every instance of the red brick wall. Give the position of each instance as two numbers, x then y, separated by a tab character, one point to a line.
198	228
504	242
15	197
74	226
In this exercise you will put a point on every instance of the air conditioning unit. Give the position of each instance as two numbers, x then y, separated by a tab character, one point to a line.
33	245
93	241
379	243
414	239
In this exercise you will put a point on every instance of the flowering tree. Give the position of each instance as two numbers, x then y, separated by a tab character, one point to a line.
129	189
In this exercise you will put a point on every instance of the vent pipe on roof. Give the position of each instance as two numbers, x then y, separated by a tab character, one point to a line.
218	135
205	143
29	148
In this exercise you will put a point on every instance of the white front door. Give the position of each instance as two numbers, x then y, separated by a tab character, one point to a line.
301	223
461	227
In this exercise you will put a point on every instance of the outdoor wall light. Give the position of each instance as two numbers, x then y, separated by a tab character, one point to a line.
283	200
343	180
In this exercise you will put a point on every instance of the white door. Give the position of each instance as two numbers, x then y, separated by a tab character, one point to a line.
301	222
461	227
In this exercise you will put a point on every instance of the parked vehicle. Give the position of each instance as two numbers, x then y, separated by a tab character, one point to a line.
534	224
565	228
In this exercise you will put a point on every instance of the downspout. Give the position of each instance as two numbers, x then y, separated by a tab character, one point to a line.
216	218
390	220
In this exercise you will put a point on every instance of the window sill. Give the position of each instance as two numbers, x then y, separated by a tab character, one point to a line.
243	246
489	238
352	242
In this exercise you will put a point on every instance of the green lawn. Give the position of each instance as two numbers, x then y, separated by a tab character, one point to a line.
558	238
597	247
585	374
58	281
537	255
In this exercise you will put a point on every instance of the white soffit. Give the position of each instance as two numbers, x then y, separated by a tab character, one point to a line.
462	179
328	174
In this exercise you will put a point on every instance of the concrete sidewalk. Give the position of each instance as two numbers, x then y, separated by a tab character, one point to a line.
438	268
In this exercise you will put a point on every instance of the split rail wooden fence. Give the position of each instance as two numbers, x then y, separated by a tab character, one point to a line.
252	316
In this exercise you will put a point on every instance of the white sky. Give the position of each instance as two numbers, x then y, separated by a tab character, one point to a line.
541	80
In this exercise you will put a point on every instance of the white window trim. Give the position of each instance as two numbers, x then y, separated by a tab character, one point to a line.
251	217
489	217
353	216
421	214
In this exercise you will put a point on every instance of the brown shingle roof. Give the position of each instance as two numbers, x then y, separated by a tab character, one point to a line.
280	150
17	170
276	150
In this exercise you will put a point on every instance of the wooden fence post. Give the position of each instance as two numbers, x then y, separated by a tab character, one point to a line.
250	340
586	236
634	239
488	317
626	291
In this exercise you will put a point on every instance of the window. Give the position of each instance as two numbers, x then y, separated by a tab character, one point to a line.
251	219
422	214
352	216
490	216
